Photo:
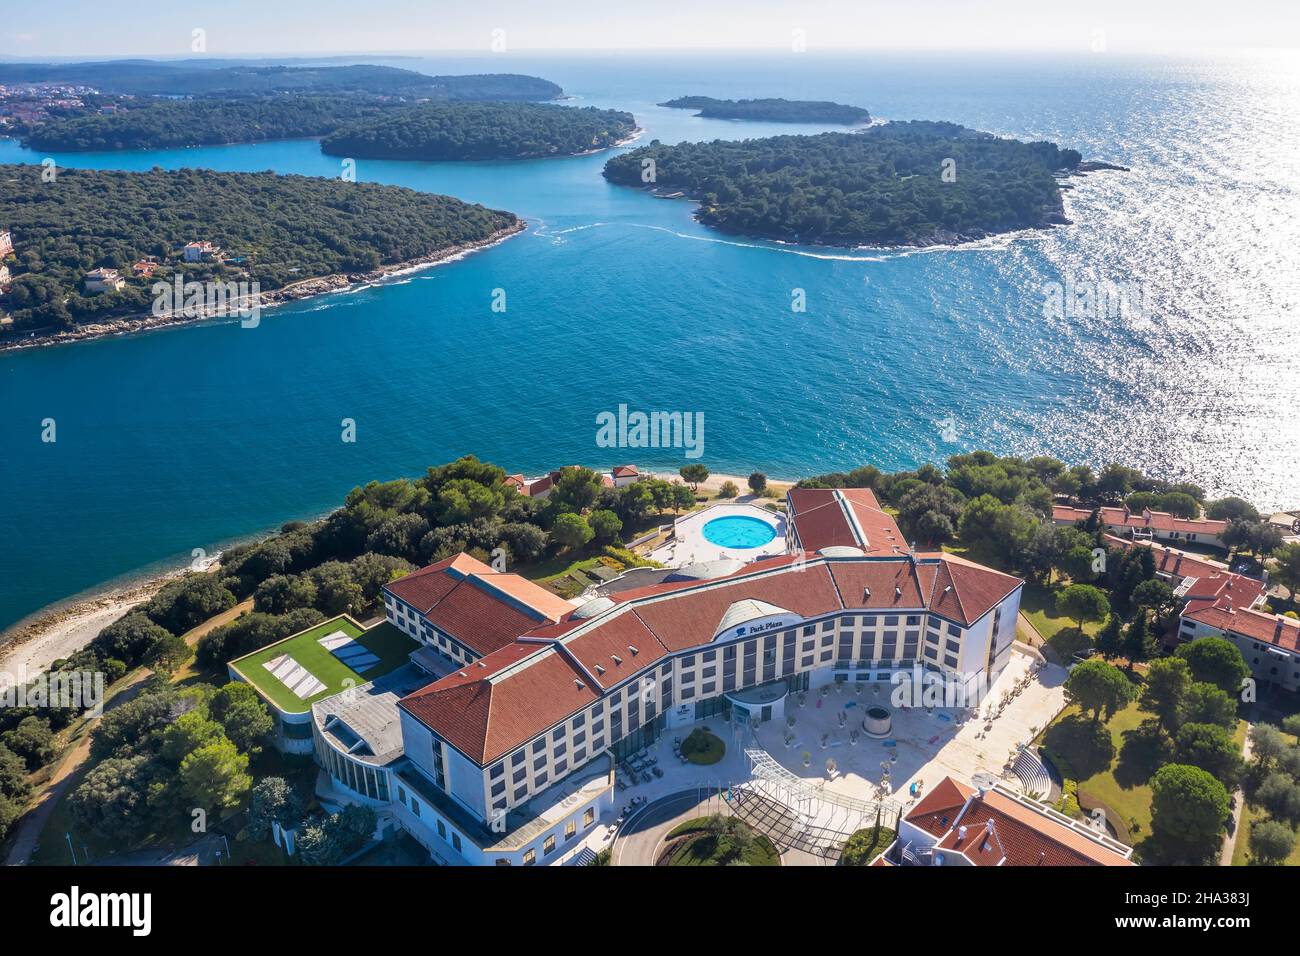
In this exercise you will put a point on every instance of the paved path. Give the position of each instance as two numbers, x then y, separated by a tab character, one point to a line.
27	833
641	835
1238	804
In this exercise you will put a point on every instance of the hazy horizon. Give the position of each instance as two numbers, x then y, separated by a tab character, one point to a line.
312	28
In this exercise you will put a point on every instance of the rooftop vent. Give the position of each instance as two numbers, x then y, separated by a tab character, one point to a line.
617	659
898	592
961	833
866	595
632	648
578	684
599	669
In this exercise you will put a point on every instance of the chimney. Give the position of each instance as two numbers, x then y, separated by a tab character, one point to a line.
961	834
1277	632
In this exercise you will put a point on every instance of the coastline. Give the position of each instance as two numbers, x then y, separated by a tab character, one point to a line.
60	629
63	627
293	292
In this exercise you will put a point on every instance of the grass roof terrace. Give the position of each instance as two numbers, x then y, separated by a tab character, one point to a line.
383	640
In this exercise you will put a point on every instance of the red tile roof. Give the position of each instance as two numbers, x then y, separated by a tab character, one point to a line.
663	619
842	517
1256	625
487	709
625	471
482	608
1155	520
1001	830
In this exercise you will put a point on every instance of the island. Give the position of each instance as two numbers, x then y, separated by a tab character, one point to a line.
242	78
176	124
901	183
773	110
86	253
481	131
158	106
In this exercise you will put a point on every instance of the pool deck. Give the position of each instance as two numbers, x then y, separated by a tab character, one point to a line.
689	545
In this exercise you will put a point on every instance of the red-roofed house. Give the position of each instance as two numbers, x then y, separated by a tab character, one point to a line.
1148	524
957	825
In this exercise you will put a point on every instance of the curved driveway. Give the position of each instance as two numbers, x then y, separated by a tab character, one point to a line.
639	838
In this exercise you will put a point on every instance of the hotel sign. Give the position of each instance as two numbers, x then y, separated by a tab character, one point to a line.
762	626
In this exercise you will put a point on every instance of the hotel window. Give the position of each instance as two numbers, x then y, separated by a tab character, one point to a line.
497	789
954	630
520	774
539	745
891	620
530	856
542	778
503	862
455	841
806	661
415	806
597	708
558	734
520	793
548	845
401	795
913	620
570	830
516	758
809	630
828	625
579	755
539	763
497	770
588	817
442	829
560	767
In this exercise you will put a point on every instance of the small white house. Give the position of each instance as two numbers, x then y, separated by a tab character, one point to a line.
103	280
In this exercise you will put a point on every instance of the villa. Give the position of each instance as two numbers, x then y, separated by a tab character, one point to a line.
1147	525
957	825
103	280
201	251
497	742
6	243
617	477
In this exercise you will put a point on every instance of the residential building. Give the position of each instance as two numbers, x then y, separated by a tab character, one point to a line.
1147	525
6	243
103	280
957	825
201	251
1270	643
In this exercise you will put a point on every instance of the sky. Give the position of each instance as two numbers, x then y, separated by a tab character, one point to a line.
101	28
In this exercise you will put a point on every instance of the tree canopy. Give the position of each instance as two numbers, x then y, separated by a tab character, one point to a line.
883	186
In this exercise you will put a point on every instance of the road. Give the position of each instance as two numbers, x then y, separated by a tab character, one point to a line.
28	830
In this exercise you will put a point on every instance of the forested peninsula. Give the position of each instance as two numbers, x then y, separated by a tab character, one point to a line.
481	131
773	110
903	183
90	246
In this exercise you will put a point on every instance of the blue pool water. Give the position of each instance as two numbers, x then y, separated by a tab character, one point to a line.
191	437
738	531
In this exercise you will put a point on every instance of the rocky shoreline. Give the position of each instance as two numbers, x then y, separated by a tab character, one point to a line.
302	289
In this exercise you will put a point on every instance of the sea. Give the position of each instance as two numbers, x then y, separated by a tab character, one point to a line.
176	442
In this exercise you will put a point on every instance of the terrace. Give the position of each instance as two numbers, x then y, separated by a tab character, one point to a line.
321	661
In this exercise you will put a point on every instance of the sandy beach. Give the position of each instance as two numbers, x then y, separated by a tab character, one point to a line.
57	631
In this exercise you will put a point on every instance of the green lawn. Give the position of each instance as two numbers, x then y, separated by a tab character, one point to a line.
1038	604
384	640
700	846
1117	780
702	747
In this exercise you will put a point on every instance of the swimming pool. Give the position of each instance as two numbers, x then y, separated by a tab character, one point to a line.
738	531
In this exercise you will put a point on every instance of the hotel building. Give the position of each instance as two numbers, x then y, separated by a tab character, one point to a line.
1147	525
506	755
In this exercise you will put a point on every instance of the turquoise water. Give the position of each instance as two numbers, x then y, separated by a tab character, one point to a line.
187	438
738	531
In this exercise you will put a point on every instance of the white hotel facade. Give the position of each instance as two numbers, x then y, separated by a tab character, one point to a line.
507	755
